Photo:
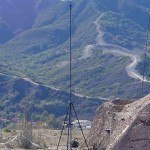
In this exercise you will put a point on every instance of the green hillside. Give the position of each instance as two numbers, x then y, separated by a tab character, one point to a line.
36	45
19	95
121	31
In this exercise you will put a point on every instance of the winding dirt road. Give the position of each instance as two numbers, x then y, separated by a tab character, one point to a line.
111	48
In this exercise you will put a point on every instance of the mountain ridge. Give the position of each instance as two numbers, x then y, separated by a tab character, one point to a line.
40	50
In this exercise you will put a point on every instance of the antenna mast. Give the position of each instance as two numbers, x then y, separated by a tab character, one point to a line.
71	108
145	55
70	53
70	100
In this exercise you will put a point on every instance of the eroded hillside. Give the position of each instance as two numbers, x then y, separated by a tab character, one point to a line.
122	126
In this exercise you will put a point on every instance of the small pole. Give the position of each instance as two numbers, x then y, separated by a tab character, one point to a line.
145	55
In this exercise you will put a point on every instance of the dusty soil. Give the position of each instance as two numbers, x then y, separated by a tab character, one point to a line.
45	138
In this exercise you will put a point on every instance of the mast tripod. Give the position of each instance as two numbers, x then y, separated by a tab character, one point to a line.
71	108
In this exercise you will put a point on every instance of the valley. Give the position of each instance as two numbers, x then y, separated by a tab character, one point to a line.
107	46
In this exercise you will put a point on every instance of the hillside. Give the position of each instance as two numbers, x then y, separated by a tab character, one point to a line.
107	43
122	126
19	95
40	51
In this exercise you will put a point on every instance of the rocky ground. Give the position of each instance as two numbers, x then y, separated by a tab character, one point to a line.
122	125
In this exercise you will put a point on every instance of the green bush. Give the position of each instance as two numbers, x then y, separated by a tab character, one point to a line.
7	130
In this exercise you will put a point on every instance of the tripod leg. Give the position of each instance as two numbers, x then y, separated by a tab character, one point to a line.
69	146
62	128
80	126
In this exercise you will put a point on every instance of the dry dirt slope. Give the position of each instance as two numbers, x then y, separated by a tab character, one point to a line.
122	125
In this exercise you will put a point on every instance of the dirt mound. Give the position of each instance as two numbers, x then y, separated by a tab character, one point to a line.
121	125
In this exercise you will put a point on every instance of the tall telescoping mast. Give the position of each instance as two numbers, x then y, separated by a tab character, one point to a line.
145	55
71	109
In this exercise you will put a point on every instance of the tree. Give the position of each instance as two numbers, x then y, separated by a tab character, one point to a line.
53	122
